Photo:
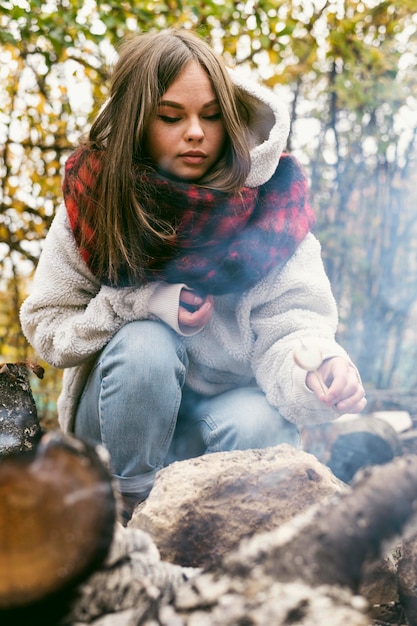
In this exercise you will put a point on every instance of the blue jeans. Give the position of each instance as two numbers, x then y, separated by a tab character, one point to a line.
135	403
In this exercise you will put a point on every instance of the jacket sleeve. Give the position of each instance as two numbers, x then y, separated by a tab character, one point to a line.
69	315
302	307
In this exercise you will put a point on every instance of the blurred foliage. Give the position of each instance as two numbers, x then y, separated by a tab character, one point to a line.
347	71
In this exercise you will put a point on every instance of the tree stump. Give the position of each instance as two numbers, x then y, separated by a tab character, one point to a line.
19	426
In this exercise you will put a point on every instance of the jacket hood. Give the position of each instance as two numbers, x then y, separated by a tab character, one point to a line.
269	129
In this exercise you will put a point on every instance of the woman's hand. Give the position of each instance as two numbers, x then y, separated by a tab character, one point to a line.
344	386
195	311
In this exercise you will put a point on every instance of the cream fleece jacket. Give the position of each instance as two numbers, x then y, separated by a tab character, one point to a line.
69	316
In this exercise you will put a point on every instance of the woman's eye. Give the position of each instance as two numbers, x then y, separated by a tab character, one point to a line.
169	120
213	118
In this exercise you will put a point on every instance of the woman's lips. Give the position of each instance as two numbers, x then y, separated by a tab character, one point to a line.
193	157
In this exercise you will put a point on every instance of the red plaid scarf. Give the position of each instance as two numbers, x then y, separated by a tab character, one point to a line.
225	242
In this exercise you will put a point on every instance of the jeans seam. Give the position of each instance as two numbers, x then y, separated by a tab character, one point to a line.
211	424
174	418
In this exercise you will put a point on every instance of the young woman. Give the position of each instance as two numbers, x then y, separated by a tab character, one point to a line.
180	273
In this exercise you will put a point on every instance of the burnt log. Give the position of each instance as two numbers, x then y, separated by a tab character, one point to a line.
19	425
347	446
57	519
330	544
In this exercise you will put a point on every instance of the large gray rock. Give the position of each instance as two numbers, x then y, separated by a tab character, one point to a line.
200	509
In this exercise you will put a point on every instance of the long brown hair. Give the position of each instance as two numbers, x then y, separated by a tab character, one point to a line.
125	232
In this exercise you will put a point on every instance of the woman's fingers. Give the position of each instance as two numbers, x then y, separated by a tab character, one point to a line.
344	387
195	311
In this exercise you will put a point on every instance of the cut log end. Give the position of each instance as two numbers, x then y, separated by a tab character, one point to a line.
57	515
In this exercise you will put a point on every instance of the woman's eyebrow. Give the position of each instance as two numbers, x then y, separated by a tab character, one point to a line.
177	105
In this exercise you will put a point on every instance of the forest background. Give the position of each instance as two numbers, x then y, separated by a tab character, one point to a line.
345	68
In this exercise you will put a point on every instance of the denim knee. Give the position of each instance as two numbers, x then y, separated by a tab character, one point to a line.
145	350
235	420
131	401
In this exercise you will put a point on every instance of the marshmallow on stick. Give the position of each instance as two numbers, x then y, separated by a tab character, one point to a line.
309	358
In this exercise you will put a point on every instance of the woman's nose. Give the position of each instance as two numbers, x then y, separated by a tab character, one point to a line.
194	130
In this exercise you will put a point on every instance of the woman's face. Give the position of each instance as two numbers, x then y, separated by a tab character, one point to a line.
186	136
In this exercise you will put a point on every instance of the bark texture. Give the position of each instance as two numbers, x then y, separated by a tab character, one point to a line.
19	425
